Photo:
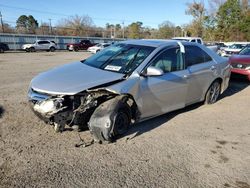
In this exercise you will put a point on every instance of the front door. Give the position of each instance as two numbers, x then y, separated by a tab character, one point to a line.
161	94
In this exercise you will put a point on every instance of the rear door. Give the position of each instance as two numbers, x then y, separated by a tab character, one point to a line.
201	69
43	45
161	94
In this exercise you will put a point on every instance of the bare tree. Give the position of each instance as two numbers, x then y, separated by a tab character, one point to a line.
197	10
76	25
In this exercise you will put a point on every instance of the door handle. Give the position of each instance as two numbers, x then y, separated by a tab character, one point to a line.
212	68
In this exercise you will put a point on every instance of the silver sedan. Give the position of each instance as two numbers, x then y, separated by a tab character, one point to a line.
128	82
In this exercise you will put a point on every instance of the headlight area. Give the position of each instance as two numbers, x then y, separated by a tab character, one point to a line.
50	106
74	110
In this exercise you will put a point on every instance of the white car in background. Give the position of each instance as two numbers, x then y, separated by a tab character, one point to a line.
231	50
39	45
98	47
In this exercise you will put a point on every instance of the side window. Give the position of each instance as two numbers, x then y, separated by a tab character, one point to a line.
169	61
43	42
199	41
195	55
193	40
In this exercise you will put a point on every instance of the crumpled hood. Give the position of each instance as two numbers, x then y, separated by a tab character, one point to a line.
72	78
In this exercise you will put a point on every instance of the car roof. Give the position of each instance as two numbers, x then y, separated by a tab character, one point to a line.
42	40
186	38
151	42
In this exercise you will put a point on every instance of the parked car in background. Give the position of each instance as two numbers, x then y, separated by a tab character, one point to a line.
82	45
198	40
241	63
98	47
189	39
40	45
3	47
221	45
232	49
128	82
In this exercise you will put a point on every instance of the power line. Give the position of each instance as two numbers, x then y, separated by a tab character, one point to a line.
67	15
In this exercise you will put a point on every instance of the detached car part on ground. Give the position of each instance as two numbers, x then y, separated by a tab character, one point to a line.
128	82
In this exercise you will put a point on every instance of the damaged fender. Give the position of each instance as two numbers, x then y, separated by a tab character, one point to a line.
110	119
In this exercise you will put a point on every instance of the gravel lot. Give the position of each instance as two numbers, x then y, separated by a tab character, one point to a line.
199	146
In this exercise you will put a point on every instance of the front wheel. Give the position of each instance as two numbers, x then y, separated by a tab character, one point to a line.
213	93
32	49
111	119
76	49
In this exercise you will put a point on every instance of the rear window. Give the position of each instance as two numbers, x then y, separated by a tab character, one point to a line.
195	55
43	42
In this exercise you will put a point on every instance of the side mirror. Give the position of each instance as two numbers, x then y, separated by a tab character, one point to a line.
153	71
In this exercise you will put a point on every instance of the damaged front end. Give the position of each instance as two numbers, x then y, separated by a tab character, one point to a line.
72	110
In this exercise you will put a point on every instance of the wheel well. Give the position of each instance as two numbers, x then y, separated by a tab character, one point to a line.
134	108
218	79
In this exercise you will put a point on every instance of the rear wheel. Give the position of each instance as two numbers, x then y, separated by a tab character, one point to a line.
213	93
52	49
1	50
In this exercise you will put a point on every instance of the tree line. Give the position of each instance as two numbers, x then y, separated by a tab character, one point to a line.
221	20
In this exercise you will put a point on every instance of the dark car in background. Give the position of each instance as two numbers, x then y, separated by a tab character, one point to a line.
3	47
241	63
82	45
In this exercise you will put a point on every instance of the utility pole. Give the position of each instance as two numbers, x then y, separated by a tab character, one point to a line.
123	29
50	28
1	18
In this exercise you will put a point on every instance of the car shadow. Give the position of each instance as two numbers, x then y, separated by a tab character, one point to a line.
148	125
235	85
137	129
1	111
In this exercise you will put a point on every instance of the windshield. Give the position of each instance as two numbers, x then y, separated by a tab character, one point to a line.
235	46
245	51
122	58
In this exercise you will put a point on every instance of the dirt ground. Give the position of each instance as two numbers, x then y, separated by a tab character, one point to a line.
199	146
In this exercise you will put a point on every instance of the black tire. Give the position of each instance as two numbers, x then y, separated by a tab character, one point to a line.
1	50
213	93
97	51
76	49
52	49
27	50
109	120
32	49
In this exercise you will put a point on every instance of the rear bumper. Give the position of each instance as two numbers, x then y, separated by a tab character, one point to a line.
243	72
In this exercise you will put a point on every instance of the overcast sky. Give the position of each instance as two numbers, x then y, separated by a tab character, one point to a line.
150	12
